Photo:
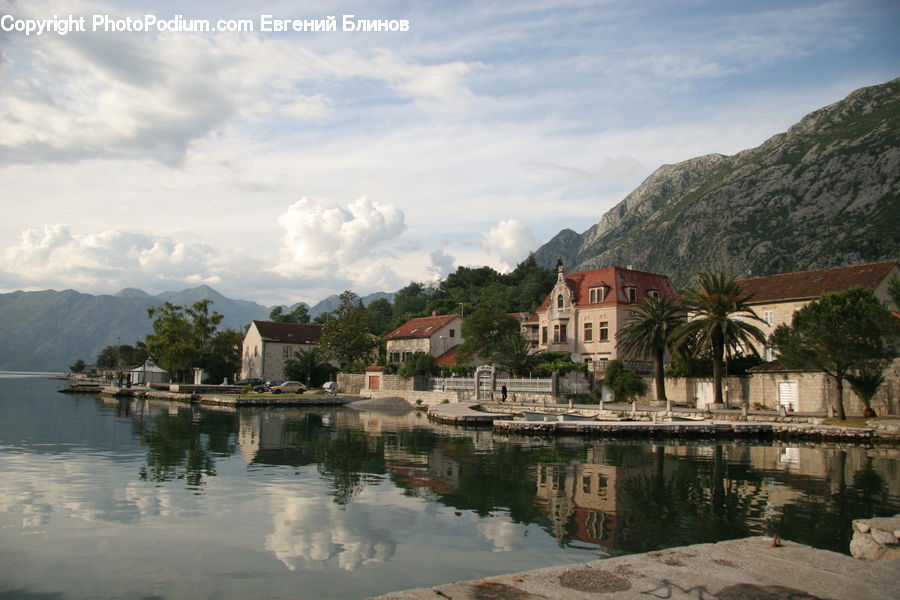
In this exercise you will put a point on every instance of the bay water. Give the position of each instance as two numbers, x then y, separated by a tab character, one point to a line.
124	498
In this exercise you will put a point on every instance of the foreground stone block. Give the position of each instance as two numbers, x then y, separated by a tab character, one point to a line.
876	539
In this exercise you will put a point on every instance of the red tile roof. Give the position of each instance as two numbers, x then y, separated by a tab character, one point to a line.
423	327
447	358
811	284
291	333
617	280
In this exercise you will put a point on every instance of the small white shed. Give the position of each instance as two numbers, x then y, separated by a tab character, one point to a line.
148	373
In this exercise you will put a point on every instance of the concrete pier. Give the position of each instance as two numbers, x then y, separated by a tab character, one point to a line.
746	569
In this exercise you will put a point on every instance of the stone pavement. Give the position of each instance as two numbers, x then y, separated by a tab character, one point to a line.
746	569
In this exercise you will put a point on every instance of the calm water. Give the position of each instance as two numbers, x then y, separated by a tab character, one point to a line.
104	498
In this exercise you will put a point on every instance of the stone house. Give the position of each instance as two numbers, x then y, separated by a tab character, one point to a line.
585	310
268	345
435	335
775	298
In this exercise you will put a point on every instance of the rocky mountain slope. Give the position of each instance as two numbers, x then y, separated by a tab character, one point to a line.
825	193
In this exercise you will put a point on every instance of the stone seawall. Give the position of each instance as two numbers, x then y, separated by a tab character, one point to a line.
701	430
228	400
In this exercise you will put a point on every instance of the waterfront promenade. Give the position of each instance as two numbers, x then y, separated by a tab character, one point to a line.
745	569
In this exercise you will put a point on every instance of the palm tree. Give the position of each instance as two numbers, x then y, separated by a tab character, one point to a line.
719	316
649	332
513	353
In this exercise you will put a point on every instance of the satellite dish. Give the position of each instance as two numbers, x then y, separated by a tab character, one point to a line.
576	358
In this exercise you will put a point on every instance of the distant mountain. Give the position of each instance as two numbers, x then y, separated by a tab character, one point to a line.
332	302
49	330
825	193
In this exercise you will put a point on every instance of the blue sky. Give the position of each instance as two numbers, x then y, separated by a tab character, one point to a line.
281	167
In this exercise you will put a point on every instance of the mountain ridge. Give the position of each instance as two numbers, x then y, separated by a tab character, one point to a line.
47	330
823	193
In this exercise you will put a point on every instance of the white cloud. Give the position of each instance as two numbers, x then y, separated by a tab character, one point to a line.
510	241
320	236
111	259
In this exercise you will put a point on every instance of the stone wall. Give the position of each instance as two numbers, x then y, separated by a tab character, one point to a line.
351	383
687	390
415	397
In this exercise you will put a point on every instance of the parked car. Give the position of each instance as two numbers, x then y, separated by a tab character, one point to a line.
265	387
288	387
330	387
254	381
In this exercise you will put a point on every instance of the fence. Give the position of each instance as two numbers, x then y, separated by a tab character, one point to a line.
534	385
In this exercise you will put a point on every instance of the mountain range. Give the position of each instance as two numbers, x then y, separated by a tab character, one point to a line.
48	330
825	193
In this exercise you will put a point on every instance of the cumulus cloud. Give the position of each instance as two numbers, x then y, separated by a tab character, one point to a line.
114	258
321	236
510	241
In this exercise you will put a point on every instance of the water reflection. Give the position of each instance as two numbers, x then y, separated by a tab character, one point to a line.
364	499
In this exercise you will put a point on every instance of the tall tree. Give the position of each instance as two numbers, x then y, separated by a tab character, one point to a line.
78	366
182	336
300	314
346	337
719	319
838	333
649	331
224	357
482	331
381	316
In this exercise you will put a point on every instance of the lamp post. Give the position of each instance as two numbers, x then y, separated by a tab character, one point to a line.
443	352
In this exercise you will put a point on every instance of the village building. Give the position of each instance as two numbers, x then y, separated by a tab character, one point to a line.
436	335
529	327
268	345
585	310
775	299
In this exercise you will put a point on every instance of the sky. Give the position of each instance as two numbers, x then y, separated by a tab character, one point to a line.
285	166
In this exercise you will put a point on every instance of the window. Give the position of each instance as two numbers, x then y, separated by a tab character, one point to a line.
631	292
559	301
543	335
653	293
604	331
769	317
255	350
452	333
427	329
394	357
413	330
559	334
586	484
768	354
588	332
598	294
287	351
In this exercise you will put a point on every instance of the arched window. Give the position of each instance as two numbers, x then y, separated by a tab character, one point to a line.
559	301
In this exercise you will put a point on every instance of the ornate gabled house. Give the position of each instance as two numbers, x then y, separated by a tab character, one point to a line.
436	335
268	345
584	310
